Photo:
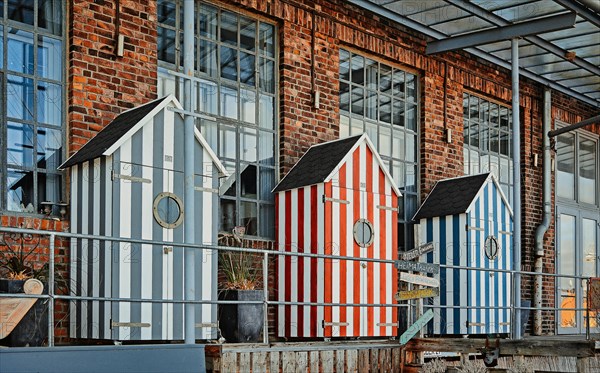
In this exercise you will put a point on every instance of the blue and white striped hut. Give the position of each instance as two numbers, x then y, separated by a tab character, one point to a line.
469	220
128	182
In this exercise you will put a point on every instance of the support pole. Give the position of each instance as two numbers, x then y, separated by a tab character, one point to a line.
188	171
516	324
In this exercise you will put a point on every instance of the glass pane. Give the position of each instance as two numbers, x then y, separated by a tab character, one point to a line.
494	115
504	143
266	39
49	148
19	185
266	112
398	144
398	113
371	105
267	183
21	11
474	162
50	16
587	171
371	74
484	138
385	109
248	217
385	141
248	105
344	126
207	97
411	147
371	129
344	65
398	174
20	51
565	165
344	97
411	88
248	149
49	103
1	40
358	102
466	106
385	79
504	113
494	141
266	150
504	177
474	108
474	135
590	251
165	10
208	58
227	142
19	144
208	129
358	69
248	180
247	34
567	286
208	21
229	102
228	215
247	68
229	23
166	45
267	221
267	75
49	189
411	117
411	180
399	84
229	63
356	127
228	185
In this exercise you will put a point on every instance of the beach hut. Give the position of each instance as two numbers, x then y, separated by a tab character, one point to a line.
469	221
338	199
128	182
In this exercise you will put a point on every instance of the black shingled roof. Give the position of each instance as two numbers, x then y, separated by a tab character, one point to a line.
111	134
316	164
451	196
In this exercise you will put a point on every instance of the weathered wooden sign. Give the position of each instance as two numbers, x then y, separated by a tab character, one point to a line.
417	252
404	265
419	280
417	294
414	328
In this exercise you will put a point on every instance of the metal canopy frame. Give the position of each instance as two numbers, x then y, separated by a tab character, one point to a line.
565	58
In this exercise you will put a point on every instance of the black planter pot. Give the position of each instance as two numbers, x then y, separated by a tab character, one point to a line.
32	330
241	322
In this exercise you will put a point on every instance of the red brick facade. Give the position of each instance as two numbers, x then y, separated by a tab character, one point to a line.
100	85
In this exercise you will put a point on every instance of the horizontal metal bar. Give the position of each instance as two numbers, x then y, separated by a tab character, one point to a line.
583	123
191	113
581	10
326	323
387	324
471	228
131	178
536	26
396	209
473	324
116	324
336	200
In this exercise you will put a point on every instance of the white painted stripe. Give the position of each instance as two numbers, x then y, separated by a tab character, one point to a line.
146	217
449	272
320	262
482	274
85	260
108	250
335	264
388	255
169	150
376	247
208	272
125	247
294	263
440	324
349	280
463	261
74	252
96	248
281	264
363	214
307	267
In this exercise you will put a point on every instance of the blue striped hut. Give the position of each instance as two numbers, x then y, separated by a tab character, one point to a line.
469	221
128	182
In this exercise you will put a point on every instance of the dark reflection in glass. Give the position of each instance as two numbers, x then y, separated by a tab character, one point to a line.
228	215
344	65
266	39
21	11
19	100
248	217
19	144
166	12
229	27
344	96
229	63
267	221
19	190
166	44
50	15
267	75
208	21
358	69
248	180
49	148
247	67
247	34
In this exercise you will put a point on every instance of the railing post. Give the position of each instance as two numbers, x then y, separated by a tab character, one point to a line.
266	298
51	292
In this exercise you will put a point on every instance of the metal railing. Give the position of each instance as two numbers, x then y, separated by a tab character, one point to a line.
53	297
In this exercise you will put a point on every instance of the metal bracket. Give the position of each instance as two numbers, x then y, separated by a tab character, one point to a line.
206	325
167	249
135	179
329	199
116	324
202	189
396	209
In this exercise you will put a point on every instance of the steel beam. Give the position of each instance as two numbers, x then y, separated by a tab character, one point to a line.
582	11
583	123
537	26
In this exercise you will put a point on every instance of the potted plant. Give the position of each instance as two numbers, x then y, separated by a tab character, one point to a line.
241	322
16	268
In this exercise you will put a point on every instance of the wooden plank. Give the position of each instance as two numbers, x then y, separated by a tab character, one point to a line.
374	360
314	362
12	310
363	361
417	294
396	359
416	327
525	347
326	361
229	362
419	280
417	252
259	362
288	361
352	361
404	265
244	361
274	362
340	361
385	360
301	361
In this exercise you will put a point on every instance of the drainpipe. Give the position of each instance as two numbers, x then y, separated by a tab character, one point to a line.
547	201
188	171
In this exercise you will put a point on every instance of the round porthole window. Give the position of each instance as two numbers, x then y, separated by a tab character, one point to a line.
491	247
168	210
363	232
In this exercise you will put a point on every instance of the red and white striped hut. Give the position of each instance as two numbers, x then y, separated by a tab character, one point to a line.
339	199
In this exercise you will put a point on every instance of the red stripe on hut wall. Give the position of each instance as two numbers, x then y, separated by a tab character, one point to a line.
288	259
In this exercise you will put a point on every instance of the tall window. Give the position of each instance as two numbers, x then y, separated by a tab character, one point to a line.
577	168
31	113
235	63
381	100
487	140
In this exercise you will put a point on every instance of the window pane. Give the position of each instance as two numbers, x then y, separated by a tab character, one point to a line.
19	144
207	97
19	186
229	102
466	106
266	112
504	112
344	65
371	129
411	117
385	141
266	150
399	84
567	286
166	12
344	97
227	142
208	129
20	51
357	127
229	23
248	217
587	171
411	181
49	188
1	41
565	165
371	74
228	215
247	67
50	15
208	21
385	109
411	88
266	39
371	105
344	126
248	149
248	105
358	69
398	144
21	11
247	34
267	75
228	185
49	103
229	63
267	221
358	106
248	180
267	183
385	79
398	113
411	147
166	45
49	148
208	58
